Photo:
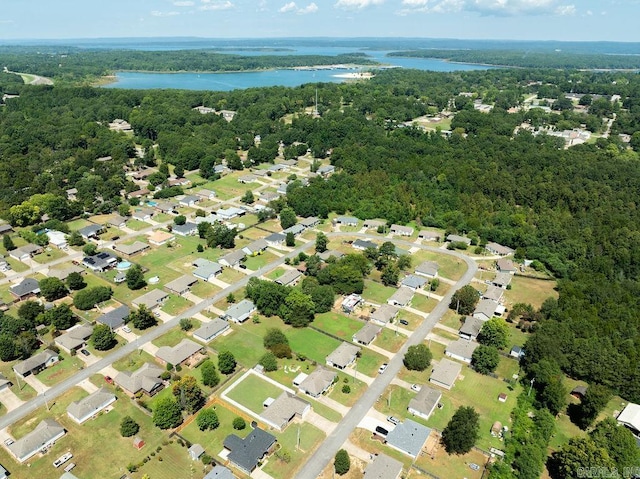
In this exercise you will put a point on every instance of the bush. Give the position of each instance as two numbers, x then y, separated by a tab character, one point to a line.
206	459
186	324
342	462
239	423
346	389
128	427
207	419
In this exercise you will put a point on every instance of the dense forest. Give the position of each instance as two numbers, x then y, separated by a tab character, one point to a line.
575	210
530	59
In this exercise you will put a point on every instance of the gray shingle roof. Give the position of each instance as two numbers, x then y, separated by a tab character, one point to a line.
45	432
367	333
427	268
289	277
384	313
413	281
185	229
115	318
446	372
34	361
383	467
283	409
246	453
485	307
316	382
151	299
343	355
25	287
211	329
233	258
146	378
425	401
401	297
181	284
471	326
409	437
219	472
75	337
178	353
240	312
205	269
92	404
461	348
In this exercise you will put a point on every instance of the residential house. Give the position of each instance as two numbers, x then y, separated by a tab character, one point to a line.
141	193
428	269
630	417
4	384
428	235
211	218
159	237
57	239
326	170
221	170
461	349
408	437
151	299
232	259
179	353
385	314
445	373
278	167
261	173
247	179
187	229
296	230
206	194
36	363
240	312
74	338
495	248
46	433
373	224
246	453
318	382
502	280
114	318
145	379
325	255
425	402
471	328
189	201
414	282
362	245
117	221
458	239
72	194
181	285
25	252
485	309
289	278
206	270
343	356
494	293
26	288
91	231
275	239
383	467
256	247
131	249
88	407
226	214
219	472
142	214
282	189
143	174
63	274
166	207
367	334
100	262
346	221
5	228
268	196
350	302
402	297
401	230
211	330
505	265
284	409
310	222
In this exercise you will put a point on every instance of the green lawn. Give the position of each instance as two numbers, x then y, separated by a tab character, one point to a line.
450	267
376	292
348	399
530	290
256	262
253	391
312	344
230	276
61	370
300	440
394	401
369	362
170	338
413	319
338	324
134	361
137	225
389	340
228	186
49	254
423	303
176	305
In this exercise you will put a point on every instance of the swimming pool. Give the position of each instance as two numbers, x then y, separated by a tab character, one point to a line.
123	265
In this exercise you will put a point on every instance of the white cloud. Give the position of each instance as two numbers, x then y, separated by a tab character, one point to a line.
357	4
291	7
211	5
184	3
157	13
488	7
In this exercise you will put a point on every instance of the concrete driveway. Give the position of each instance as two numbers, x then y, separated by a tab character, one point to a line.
9	399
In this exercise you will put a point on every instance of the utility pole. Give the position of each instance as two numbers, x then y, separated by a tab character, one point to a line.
531	386
44	395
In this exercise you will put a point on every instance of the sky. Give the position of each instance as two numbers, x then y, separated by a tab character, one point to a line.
570	20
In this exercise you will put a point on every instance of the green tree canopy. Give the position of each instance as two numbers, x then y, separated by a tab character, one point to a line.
135	278
464	300
52	288
167	413
142	318
207	419
418	357
342	462
485	359
103	338
226	362
462	431
188	394
128	427
209	374
494	332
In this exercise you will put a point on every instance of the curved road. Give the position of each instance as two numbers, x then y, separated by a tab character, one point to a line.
318	461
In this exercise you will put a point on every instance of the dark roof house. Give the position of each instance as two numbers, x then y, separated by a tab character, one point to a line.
246	453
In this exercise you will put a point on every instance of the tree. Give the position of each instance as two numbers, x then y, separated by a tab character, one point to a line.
90	249
7	242
29	311
209	373
188	394
135	278
239	423
594	401
124	210
88	298
577	454
494	332
103	338
179	220
299	309
342	462
553	395
462	431
186	324
290	239
167	413
61	317
178	170
128	427
287	218
75	239
220	235
142	318
273	337
226	362
268	361
321	242
207	419
231	298
619	443
248	198
390	274
485	359
75	281
464	300
7	348
417	357
52	289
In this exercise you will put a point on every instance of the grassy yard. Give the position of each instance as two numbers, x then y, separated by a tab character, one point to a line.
413	319
389	340
377	292
338	324
171	338
529	290
134	361
394	401
256	262
49	254
369	362
443	465
310	438
246	340
348	399
61	370
423	303
137	225
312	344
228	186
176	305
253	391
451	319
450	267
230	276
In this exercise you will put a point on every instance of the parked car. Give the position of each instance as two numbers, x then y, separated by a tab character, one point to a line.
416	387
382	368
109	379
8	441
85	352
474	466
393	420
404	322
242	266
126	329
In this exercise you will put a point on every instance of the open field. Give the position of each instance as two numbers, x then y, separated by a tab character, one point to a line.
337	324
530	290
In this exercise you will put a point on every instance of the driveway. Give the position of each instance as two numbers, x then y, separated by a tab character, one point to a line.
9	399
35	383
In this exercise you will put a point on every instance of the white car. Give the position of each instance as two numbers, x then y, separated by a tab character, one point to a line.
382	368
416	387
126	329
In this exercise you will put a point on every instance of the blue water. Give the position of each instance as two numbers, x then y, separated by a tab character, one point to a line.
284	77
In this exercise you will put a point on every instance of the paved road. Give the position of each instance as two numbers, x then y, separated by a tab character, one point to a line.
326	452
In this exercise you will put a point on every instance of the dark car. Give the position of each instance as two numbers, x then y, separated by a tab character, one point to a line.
242	266
404	322
85	352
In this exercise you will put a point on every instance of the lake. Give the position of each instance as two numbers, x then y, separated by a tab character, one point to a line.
226	81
